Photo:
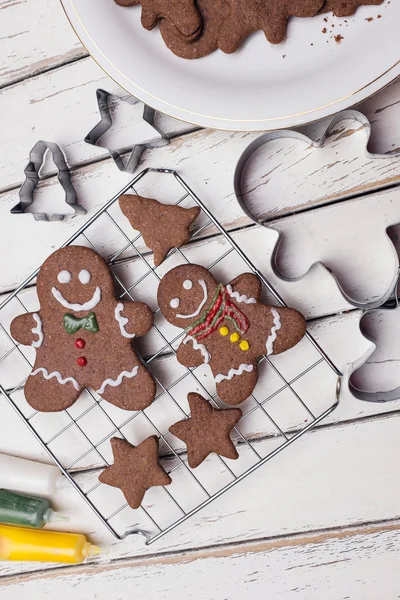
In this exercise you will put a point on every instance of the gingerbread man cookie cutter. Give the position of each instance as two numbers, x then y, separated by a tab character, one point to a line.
33	175
239	188
130	165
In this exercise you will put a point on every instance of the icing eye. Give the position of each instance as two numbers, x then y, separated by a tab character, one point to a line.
64	276
175	302
187	284
84	276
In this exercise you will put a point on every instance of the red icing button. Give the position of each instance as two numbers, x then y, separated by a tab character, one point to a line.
82	362
80	343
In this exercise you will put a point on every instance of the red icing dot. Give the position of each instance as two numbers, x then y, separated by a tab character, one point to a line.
82	362
80	343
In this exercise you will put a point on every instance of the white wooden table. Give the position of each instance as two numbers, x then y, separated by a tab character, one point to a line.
322	519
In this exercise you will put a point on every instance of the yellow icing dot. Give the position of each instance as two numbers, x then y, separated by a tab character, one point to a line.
244	345
235	337
224	331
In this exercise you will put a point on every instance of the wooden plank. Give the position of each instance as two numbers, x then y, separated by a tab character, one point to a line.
358	563
332	478
35	36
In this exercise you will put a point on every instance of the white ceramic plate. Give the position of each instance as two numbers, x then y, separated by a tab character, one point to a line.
259	87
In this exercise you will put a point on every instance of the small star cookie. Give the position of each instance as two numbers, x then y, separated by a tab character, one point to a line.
135	469
163	226
207	430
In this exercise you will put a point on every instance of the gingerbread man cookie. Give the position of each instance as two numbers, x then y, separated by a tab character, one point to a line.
83	336
271	16
226	327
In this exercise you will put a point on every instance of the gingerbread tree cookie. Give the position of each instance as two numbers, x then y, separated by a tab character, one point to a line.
207	430
135	469
83	336
227	327
271	16
163	226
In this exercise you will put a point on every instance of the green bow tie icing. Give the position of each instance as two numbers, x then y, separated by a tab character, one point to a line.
72	324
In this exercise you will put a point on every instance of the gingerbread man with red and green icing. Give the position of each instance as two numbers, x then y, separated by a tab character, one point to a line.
83	336
227	327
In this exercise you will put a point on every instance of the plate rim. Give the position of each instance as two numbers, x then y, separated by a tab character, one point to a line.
258	125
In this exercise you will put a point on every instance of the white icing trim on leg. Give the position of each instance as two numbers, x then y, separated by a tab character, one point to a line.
232	372
205	353
122	321
58	376
37	331
238	297
118	381
273	335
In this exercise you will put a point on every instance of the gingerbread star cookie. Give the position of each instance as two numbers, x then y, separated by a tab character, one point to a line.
271	16
207	430
227	326
163	226
135	469
346	8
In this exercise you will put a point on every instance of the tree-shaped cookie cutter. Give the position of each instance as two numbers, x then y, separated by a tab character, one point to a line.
32	177
308	142
104	99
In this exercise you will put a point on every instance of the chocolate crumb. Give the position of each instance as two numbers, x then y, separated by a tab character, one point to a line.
370	19
338	38
324	30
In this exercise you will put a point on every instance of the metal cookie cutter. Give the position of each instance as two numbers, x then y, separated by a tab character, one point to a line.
106	121
32	178
392	304
295	135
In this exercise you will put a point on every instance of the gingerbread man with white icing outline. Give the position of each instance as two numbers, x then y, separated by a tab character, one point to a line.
83	336
227	327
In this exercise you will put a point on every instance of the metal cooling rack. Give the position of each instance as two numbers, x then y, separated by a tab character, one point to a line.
191	490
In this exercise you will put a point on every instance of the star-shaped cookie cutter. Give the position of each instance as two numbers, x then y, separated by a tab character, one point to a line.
106	121
32	178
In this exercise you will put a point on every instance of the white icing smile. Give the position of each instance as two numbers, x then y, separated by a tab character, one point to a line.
202	303
89	305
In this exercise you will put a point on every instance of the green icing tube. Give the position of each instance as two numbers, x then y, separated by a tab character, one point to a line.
27	511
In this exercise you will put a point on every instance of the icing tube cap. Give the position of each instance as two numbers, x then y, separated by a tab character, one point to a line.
51	516
89	550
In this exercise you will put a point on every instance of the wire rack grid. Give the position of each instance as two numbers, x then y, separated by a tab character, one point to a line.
264	430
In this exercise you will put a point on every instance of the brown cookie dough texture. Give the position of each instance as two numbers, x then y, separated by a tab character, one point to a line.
182	13
227	327
346	8
162	226
135	469
270	16
214	13
83	336
207	430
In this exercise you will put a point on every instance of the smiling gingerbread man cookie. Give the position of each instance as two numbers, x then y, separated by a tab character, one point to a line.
83	336
227	327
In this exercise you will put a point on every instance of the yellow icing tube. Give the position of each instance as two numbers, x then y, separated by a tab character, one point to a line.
21	543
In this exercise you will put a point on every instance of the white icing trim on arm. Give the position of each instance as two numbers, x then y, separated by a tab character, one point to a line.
273	335
238	297
118	381
198	346
58	376
233	372
89	305
37	331
202	303
122	321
